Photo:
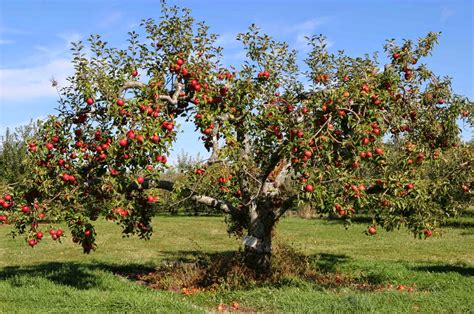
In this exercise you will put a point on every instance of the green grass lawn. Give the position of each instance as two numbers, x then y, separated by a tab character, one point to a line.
57	277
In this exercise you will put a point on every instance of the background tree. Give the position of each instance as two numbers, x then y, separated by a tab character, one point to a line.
272	142
13	152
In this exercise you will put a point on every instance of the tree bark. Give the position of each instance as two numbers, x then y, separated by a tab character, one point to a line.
258	242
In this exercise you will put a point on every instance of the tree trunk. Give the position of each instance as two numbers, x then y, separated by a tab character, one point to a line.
258	243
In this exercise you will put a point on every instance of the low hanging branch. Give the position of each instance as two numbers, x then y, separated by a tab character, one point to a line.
189	194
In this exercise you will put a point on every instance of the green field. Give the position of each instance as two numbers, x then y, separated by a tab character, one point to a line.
59	278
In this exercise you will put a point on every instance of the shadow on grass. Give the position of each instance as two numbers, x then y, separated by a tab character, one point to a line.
328	262
446	268
76	275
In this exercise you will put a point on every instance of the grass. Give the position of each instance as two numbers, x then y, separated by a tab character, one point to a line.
60	278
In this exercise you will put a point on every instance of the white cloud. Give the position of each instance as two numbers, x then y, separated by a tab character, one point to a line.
33	82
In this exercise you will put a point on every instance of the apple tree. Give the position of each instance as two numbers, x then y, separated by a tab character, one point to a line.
278	136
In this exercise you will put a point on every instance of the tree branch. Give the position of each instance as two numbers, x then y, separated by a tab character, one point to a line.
173	99
202	199
132	84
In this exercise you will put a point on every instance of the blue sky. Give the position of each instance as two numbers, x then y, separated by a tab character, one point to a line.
34	37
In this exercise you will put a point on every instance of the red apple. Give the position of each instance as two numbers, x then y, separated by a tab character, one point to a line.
123	142
372	230
32	242
131	134
25	209
155	138
150	199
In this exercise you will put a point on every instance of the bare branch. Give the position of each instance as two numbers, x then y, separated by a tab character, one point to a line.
131	85
202	199
173	99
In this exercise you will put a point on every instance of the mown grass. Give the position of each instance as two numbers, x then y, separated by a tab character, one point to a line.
60	278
